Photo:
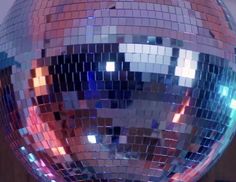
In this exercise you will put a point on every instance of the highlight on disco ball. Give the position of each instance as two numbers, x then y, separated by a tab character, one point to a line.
111	91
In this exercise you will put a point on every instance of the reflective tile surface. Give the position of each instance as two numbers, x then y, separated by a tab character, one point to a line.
118	90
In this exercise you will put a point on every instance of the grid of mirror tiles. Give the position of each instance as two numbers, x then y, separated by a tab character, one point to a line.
138	90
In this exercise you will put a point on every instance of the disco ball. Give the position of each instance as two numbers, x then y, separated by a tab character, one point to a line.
114	90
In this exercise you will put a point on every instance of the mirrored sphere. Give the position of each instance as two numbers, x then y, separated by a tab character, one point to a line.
118	91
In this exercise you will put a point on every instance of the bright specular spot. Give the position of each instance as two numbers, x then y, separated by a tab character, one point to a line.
22	148
110	66
224	91
92	138
233	104
31	157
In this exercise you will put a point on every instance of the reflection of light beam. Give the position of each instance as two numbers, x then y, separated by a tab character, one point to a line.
184	68
232	118
32	120
190	173
22	148
58	151
61	150
233	104
224	91
91	139
110	66
41	166
177	116
216	148
39	81
42	163
31	157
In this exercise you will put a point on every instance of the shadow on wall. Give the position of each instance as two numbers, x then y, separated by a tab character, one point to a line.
11	170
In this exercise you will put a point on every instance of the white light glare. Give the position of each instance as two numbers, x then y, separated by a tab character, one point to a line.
224	91
23	148
92	138
233	104
110	66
